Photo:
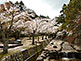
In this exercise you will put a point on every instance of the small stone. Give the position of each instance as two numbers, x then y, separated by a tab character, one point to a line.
39	58
54	46
52	43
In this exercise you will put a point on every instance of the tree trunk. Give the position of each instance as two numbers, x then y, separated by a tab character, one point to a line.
17	35
38	38
45	37
42	37
33	39
5	42
5	47
29	37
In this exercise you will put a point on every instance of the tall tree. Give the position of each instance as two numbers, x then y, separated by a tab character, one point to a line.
72	20
6	23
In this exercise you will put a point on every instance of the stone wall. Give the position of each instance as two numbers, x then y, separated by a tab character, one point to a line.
29	54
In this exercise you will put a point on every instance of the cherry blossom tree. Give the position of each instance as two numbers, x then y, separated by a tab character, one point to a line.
9	14
6	22
39	27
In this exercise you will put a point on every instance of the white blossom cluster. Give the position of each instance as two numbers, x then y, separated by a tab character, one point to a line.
24	23
40	26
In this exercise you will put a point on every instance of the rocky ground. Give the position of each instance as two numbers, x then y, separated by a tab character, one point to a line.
24	42
26	50
58	49
27	43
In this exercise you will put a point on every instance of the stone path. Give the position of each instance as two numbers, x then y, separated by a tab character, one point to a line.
61	46
57	47
25	41
26	51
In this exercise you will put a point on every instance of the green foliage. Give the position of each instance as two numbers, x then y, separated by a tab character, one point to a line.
16	2
42	16
69	13
72	13
60	19
21	2
63	26
72	9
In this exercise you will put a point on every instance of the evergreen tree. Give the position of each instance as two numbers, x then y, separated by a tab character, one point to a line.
21	2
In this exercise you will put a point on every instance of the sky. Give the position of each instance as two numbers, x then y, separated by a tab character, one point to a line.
49	8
